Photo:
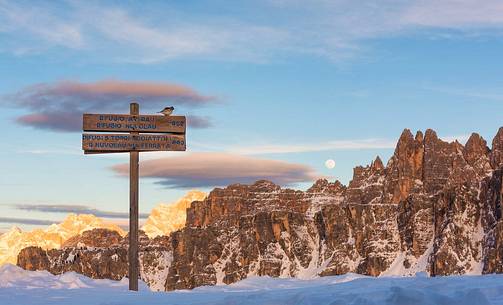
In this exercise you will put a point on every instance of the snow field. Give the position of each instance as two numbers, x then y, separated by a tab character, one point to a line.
21	287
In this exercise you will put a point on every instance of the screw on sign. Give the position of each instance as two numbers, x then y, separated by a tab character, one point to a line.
138	133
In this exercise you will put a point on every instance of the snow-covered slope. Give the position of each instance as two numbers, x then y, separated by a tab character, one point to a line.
53	237
20	287
14	277
166	218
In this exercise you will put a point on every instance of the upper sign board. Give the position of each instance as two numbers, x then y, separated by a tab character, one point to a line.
134	123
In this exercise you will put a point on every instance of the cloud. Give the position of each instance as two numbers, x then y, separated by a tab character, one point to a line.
77	209
455	14
195	121
41	23
460	138
475	93
219	169
335	30
57	121
328	145
59	106
284	148
26	221
150	41
314	147
106	94
336	145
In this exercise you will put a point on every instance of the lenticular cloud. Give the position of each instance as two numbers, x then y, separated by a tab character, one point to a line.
59	106
219	169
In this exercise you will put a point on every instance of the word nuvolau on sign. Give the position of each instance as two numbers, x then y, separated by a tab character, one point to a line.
128	142
134	123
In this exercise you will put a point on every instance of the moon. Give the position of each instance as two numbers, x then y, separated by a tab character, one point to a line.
330	164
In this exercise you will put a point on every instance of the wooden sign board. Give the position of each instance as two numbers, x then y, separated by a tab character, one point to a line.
127	142
134	123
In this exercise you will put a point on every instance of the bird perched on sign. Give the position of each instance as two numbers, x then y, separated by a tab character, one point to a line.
167	111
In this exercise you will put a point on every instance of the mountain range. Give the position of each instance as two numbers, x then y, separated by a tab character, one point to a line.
12	241
163	219
435	207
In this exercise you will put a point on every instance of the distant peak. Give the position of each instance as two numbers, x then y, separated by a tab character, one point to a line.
476	140
406	134
192	193
265	185
14	229
430	134
419	136
166	218
324	186
497	149
498	139
405	142
263	182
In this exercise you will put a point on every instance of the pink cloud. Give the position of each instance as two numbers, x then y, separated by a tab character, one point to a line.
59	106
219	169
52	121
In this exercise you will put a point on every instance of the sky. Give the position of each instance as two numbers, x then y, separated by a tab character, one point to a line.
271	89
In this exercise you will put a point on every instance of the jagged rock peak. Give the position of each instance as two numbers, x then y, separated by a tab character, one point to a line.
497	149
430	135
498	138
419	136
257	186
377	164
323	186
405	167
265	185
475	149
407	145
405	139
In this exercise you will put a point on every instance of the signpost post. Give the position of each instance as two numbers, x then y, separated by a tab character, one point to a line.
165	133
133	209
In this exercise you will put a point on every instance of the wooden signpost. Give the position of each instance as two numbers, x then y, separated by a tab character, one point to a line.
143	133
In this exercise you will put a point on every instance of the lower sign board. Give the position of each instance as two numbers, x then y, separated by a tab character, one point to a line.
127	142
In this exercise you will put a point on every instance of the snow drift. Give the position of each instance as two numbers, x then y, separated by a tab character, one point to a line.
21	287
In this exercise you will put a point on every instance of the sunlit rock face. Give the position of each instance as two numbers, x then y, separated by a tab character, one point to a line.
434	207
166	218
53	237
103	254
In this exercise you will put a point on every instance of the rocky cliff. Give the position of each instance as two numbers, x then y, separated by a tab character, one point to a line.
434	207
102	254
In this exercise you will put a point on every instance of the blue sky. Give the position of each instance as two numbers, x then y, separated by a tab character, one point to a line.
279	86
